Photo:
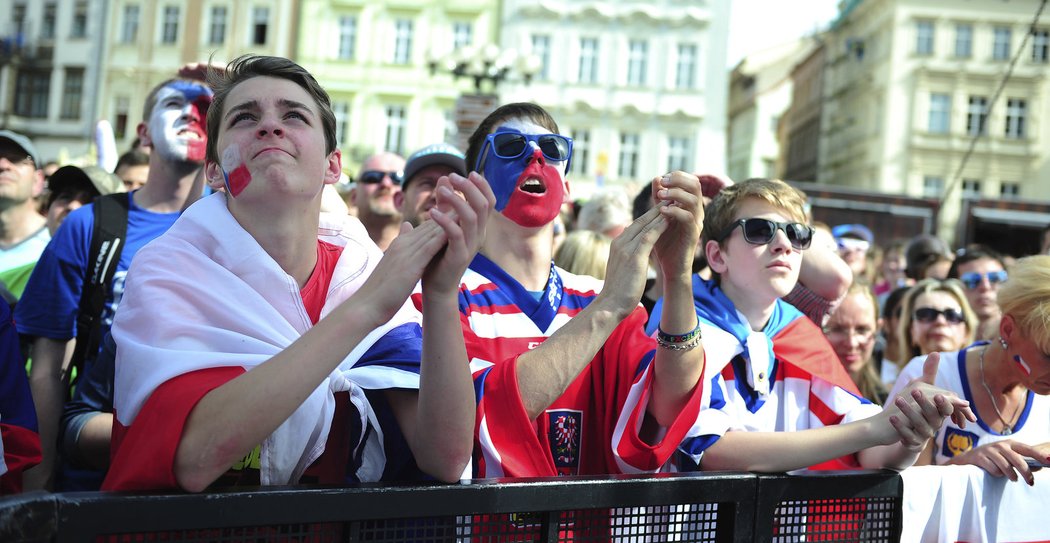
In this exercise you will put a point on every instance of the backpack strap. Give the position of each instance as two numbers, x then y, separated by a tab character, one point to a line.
107	243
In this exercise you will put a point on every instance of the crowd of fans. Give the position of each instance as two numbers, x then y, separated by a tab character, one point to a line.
223	309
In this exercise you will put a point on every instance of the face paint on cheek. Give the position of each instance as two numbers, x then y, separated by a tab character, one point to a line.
1024	365
234	172
526	209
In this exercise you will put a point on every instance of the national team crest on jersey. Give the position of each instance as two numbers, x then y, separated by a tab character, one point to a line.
958	441
564	431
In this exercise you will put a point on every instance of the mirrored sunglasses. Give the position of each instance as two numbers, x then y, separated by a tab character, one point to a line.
372	177
929	314
853	244
761	231
972	280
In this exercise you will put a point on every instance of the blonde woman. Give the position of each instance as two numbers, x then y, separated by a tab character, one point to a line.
584	252
851	330
935	317
1006	382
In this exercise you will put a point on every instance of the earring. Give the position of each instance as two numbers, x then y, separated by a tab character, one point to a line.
1002	342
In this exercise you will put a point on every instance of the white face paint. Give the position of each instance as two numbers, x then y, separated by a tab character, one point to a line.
176	127
234	171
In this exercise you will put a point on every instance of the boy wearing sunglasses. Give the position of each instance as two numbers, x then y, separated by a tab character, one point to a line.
567	382
981	271
375	196
778	398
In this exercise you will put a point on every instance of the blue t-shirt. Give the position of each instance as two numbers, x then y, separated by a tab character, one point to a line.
49	305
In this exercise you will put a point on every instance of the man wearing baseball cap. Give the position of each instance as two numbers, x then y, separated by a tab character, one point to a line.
23	233
854	241
422	171
72	187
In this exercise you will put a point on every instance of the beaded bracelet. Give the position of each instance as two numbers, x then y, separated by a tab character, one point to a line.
683	342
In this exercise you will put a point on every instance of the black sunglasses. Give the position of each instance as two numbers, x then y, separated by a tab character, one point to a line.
929	314
761	231
372	177
511	145
972	280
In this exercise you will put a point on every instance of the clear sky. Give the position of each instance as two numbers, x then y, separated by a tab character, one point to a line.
755	25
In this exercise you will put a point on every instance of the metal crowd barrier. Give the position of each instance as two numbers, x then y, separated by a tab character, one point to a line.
717	507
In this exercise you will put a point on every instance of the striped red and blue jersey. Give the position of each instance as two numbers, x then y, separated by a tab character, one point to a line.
593	427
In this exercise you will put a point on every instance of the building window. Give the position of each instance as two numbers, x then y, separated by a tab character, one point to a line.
678	154
395	129
347	37
932	186
541	47
1009	190
342	121
581	150
451	130
963	40
47	26
1040	46
462	34
685	74
72	93
217	29
170	30
129	28
971	188
1016	110
402	41
637	53
940	113
18	19
121	105
1001	43
78	28
32	90
924	38
976	115
588	60
628	156
260	24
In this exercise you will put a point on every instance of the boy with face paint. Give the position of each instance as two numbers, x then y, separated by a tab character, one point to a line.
173	126
264	343
567	381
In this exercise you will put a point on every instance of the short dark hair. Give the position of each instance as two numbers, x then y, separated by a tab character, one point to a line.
134	157
248	66
643	201
506	112
971	253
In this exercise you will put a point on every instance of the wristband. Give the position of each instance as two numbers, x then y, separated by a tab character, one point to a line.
682	342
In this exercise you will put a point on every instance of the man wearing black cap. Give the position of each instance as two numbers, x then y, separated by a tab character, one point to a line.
72	187
422	172
23	234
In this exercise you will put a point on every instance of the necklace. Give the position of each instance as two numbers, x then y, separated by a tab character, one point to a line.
1007	429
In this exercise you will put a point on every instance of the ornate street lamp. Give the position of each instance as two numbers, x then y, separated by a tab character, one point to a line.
485	64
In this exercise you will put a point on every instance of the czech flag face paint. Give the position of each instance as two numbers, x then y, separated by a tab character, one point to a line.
178	120
529	189
234	172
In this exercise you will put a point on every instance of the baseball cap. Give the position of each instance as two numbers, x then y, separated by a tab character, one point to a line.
434	154
23	142
91	178
858	231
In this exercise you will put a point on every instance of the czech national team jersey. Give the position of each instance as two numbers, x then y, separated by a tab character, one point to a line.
1032	425
592	428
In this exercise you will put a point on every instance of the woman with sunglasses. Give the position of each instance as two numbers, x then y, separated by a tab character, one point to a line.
981	270
780	399
1006	382
935	317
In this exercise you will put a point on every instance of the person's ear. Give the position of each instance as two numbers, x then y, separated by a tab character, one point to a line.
143	133
399	200
716	257
333	167
1007	327
214	175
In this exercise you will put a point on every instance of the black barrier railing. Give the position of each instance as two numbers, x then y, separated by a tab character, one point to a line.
716	507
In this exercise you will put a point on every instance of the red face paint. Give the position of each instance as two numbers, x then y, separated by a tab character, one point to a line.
531	209
237	180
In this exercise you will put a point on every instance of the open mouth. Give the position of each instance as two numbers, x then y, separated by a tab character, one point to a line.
533	186
194	134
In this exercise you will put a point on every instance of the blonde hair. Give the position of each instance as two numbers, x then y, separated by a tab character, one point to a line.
584	252
1026	297
905	350
867	379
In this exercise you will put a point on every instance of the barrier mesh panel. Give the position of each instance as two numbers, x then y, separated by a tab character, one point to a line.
306	533
846	519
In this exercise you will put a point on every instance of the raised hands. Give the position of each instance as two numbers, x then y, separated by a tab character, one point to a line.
919	411
629	261
678	196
